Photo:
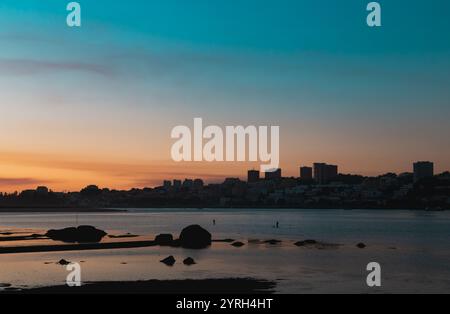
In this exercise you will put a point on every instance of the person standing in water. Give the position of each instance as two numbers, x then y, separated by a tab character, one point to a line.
278	225
214	222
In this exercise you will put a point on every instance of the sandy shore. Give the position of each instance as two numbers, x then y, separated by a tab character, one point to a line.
59	210
206	286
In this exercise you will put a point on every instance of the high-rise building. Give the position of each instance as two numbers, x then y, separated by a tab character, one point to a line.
253	176
167	184
273	175
319	172
324	173
332	172
306	173
423	169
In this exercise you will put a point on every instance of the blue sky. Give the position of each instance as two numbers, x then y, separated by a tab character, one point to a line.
371	100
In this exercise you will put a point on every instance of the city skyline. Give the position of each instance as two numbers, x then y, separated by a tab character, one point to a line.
318	173
98	103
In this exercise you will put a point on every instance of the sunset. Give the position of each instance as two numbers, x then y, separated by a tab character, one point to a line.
99	102
224	147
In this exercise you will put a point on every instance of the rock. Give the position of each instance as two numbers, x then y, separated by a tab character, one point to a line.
272	242
189	261
306	242
237	244
361	246
176	243
169	261
122	236
63	262
164	239
81	234
313	244
195	237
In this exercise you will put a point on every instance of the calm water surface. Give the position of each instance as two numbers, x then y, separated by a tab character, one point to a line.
411	246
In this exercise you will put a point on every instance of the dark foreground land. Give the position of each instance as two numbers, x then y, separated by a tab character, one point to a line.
206	286
31	209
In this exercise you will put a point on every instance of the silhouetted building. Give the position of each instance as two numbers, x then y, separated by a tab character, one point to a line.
188	183
306	173
167	184
273	175
198	183
91	190
332	172
423	169
231	181
324	173
28	193
177	184
253	176
42	190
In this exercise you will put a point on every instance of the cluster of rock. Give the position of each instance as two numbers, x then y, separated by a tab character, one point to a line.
170	261
191	237
81	234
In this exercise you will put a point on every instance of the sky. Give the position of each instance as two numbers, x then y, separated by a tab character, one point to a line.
96	104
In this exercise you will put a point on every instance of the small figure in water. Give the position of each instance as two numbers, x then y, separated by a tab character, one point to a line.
278	225
214	222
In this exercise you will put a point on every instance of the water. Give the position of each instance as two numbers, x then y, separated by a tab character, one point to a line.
411	246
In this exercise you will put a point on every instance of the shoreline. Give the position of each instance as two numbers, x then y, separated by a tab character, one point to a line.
76	247
185	286
69	210
61	210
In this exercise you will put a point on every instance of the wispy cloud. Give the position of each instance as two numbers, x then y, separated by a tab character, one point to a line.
20	182
20	67
112	173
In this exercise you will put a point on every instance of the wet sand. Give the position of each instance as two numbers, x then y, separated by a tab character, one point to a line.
206	286
59	210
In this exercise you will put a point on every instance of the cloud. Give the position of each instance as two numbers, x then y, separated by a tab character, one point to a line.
115	174
20	67
20	181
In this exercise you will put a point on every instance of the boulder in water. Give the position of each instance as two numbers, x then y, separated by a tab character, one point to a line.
306	242
81	234
189	261
361	245
169	261
195	237
273	242
164	239
63	262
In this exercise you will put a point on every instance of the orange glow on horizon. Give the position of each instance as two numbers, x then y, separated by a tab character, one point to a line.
21	171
